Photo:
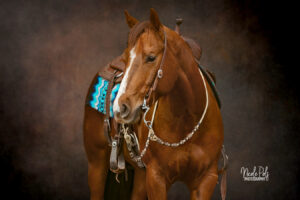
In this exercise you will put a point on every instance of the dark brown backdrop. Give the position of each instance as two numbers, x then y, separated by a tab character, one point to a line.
50	50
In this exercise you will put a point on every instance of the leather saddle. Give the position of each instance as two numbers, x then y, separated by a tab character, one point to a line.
113	73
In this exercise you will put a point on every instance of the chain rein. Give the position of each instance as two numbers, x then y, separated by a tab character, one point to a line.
153	137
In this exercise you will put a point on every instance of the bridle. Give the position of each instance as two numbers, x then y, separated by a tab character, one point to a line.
158	76
149	124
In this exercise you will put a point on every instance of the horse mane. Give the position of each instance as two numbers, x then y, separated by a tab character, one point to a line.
137	30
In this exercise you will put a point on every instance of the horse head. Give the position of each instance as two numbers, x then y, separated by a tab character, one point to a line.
149	58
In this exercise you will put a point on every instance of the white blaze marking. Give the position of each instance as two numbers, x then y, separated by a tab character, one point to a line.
116	107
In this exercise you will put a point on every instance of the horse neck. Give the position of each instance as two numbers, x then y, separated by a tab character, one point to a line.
182	107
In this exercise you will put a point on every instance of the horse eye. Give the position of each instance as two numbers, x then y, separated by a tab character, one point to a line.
150	58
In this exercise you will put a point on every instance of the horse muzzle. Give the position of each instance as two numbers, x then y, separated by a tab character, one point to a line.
126	113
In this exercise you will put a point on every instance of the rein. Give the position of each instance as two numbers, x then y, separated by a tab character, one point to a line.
149	124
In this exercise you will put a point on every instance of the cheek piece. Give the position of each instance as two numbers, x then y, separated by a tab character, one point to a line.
158	76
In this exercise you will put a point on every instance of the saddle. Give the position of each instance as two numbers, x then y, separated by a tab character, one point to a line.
113	74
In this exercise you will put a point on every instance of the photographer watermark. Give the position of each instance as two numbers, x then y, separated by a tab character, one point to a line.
258	173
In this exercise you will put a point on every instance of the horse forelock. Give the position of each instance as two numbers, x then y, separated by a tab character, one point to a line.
136	31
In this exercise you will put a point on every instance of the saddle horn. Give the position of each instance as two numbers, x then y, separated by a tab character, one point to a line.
179	21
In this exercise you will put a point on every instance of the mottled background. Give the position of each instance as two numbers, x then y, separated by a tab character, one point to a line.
50	50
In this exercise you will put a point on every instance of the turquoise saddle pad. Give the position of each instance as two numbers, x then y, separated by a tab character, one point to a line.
98	95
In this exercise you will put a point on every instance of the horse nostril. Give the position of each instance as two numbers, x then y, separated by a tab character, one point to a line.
125	110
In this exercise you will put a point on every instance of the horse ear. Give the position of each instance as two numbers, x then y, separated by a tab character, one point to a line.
131	21
154	19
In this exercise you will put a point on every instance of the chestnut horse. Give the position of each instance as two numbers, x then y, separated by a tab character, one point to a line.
161	79
183	139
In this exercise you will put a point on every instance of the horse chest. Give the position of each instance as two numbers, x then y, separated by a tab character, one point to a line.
183	164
